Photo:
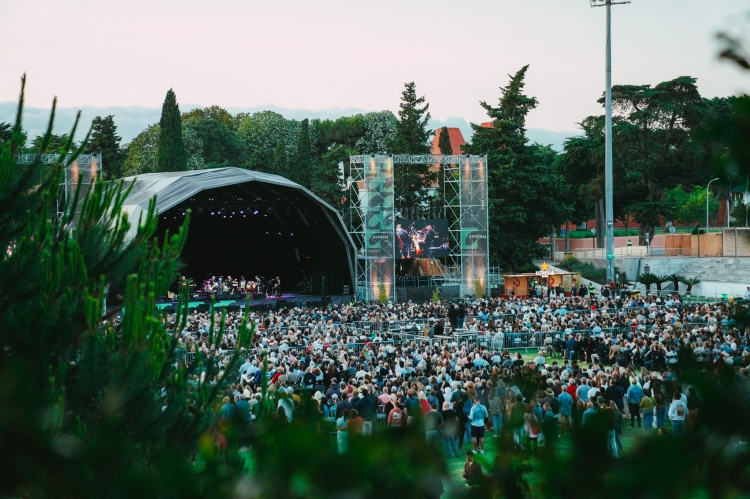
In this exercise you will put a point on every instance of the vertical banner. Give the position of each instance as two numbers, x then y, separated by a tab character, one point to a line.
379	219
474	226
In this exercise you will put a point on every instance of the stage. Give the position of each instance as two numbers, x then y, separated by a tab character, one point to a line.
289	300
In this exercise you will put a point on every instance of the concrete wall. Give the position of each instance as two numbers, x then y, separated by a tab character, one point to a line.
742	245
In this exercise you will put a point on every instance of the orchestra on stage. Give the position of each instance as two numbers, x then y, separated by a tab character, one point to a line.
224	287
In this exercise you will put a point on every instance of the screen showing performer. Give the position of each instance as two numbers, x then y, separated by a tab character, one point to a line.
421	238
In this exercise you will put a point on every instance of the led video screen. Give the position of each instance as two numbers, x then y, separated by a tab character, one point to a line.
421	238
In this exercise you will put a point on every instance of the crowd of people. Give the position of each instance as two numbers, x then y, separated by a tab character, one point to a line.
362	368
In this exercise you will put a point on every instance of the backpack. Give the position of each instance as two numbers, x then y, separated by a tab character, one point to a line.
396	416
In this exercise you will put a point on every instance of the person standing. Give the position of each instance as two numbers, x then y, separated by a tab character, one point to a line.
677	412
647	406
433	423
450	425
566	410
342	432
477	417
496	409
634	396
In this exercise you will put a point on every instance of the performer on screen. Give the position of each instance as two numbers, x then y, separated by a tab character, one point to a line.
429	239
402	236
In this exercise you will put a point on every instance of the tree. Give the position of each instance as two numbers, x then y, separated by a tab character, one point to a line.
444	142
303	159
379	133
104	140
143	151
216	113
220	145
56	144
172	155
526	194
194	147
261	133
690	207
412	137
280	159
92	380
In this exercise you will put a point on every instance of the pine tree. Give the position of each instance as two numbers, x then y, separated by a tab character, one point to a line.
104	140
525	192
302	174
172	155
280	159
412	137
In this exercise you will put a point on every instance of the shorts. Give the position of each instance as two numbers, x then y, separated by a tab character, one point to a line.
477	431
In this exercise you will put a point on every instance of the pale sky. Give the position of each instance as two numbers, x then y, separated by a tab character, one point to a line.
318	55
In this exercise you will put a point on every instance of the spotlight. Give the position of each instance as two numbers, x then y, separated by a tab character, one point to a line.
266	232
225	216
255	212
242	212
232	213
279	233
213	212
291	233
244	216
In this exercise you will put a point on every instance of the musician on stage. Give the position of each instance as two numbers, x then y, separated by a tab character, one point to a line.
276	286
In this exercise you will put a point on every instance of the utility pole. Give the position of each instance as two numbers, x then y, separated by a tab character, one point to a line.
608	191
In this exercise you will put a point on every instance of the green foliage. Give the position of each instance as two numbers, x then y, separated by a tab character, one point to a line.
172	156
379	133
647	279
740	215
444	142
215	113
382	294
80	397
220	145
526	194
586	270
55	144
104	140
690	207
143	150
261	133
689	282
302	172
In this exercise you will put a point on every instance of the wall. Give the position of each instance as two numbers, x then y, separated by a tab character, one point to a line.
742	247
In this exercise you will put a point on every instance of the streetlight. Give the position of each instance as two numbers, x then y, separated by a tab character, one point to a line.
593	237
609	210
707	194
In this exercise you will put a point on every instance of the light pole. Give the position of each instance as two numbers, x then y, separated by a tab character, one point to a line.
608	209
707	195
593	237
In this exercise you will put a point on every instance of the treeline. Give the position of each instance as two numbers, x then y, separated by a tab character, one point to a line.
669	141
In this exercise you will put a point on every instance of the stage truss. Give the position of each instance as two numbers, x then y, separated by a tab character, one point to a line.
372	217
86	168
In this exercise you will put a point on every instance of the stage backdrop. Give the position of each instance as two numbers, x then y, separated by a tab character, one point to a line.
474	226
379	225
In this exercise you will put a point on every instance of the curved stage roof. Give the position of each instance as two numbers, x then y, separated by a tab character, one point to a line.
173	189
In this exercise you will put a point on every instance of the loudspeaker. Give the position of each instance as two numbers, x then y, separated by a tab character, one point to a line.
322	283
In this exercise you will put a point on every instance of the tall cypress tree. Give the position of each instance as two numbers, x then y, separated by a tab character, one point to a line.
412	137
280	159
444	142
304	167
104	140
172	155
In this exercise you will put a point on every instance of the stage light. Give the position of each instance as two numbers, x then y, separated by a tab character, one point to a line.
212	213
225	216
279	233
267	233
291	233
242	212
255	212
244	216
232	213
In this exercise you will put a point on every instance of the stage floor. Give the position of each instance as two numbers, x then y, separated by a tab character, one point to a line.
291	299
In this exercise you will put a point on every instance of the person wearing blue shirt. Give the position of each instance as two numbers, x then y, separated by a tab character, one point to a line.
634	396
566	410
477	417
588	414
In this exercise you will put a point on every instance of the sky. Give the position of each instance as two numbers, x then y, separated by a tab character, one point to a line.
330	58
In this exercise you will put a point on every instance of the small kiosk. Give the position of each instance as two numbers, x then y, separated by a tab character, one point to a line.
526	284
